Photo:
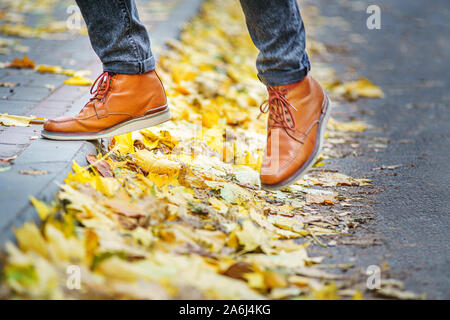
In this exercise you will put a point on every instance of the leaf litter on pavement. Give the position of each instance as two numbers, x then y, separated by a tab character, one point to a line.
177	211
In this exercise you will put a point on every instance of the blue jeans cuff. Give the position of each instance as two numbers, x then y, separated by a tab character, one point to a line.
281	78
130	67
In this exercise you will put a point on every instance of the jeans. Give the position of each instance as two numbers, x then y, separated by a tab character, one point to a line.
276	28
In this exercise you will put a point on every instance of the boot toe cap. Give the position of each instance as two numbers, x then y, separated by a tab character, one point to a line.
59	124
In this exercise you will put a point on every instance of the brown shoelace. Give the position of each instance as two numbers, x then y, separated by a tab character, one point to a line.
280	109
100	86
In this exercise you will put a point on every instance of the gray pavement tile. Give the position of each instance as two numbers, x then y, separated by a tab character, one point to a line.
19	135
19	76
44	150
9	150
13	185
49	109
15	188
6	93
15	107
67	93
26	93
41	79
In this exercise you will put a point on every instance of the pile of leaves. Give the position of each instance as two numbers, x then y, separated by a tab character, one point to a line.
177	211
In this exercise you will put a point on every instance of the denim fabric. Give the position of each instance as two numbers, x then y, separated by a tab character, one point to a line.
117	36
276	28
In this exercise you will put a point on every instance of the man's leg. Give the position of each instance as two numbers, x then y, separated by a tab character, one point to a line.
117	36
277	30
128	95
297	105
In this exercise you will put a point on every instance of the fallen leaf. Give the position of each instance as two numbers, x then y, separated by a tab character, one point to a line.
48	69
363	88
8	159
13	120
78	81
8	84
251	237
100	165
19	30
399	294
383	167
353	126
321	198
33	172
21	63
238	270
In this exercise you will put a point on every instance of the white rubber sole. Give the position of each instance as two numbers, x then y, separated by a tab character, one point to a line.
311	161
121	128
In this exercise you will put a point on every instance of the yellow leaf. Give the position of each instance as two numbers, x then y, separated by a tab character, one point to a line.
16	121
78	81
107	186
255	280
154	164
19	30
218	205
363	88
124	143
61	248
210	119
48	69
290	260
288	224
322	197
327	292
252	237
353	126
274	279
358	295
41	207
30	238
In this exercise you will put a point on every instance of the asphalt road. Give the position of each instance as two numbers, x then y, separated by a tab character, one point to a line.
409	57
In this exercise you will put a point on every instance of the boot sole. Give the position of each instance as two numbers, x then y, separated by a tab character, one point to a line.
311	160
121	128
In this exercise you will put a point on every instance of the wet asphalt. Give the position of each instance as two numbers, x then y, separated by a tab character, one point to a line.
409	58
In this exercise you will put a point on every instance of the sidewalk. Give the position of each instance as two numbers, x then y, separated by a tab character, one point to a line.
41	163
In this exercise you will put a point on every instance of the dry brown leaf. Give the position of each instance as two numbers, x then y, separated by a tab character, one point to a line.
101	165
22	63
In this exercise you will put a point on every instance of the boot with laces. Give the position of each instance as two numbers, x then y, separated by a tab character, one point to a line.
121	103
298	114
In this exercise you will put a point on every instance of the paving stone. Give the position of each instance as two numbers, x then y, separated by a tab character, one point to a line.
15	107
42	79
18	135
49	108
26	93
9	150
44	150
19	76
6	93
16	188
67	93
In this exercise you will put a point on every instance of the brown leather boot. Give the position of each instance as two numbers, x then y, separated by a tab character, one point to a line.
121	103
298	114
